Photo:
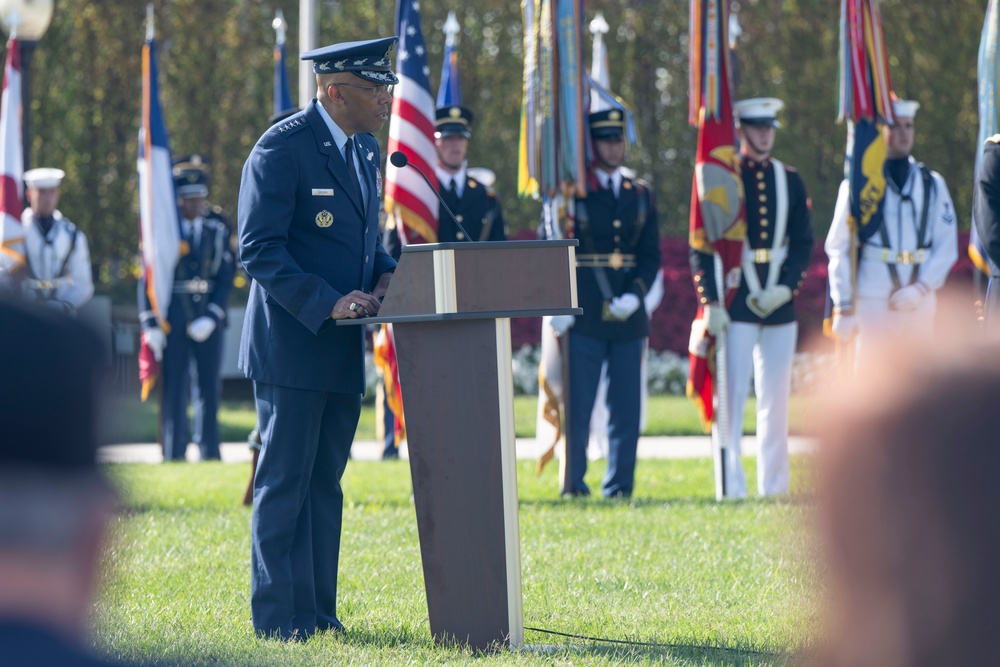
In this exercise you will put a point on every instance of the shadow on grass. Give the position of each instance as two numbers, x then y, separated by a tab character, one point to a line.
596	503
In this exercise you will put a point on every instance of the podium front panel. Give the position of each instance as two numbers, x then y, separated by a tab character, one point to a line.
459	425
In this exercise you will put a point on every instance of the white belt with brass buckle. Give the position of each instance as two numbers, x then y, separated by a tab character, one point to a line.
764	255
890	256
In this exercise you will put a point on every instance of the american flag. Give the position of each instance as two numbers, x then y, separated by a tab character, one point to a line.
408	199
11	165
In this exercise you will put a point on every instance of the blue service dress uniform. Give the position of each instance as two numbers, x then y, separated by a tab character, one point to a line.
305	240
478	209
203	280
619	240
986	217
766	342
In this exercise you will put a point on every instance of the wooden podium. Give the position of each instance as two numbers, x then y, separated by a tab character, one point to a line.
450	305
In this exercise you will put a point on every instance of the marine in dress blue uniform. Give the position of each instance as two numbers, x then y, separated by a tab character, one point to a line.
309	240
617	261
203	280
763	329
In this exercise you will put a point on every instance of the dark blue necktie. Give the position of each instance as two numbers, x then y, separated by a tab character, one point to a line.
352	173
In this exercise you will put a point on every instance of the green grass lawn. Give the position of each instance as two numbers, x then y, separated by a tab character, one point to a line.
132	421
670	567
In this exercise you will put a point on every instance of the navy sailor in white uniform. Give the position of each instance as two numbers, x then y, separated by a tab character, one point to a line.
56	255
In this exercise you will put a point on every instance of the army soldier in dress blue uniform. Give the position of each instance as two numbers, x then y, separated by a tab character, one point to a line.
986	216
309	239
57	259
203	279
617	261
763	330
475	205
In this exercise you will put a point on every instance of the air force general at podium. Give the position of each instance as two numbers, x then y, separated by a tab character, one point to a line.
309	239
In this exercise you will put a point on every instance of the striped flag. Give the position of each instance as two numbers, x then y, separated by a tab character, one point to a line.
282	90
159	226
11	168
408	199
718	221
450	88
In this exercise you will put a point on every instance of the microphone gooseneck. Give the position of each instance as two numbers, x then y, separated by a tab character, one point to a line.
399	159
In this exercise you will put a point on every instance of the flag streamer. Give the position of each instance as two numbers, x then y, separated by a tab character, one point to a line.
552	152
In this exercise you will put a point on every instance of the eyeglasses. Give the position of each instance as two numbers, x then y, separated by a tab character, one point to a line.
376	90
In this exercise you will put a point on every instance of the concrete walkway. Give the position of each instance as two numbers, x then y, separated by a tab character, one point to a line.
527	448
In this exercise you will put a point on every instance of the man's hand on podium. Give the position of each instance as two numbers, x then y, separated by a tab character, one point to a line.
382	286
355	304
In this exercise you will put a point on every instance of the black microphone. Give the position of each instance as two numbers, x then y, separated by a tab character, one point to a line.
399	160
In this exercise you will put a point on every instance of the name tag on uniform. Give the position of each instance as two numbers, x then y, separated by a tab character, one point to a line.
322	192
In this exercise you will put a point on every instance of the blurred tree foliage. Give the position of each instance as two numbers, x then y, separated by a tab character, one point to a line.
216	78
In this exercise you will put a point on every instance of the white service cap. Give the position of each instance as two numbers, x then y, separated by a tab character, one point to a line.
905	108
43	177
759	111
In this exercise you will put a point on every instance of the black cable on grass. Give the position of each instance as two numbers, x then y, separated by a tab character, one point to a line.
626	642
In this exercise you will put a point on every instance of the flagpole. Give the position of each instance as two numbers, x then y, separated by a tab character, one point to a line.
308	39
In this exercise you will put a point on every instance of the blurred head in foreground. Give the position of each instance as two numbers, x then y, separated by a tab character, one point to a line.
54	504
907	514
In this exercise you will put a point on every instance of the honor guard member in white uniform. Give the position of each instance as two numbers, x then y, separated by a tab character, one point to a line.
763	330
906	260
203	279
57	259
617	261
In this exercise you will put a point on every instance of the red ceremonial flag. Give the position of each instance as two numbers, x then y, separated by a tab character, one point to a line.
718	222
12	167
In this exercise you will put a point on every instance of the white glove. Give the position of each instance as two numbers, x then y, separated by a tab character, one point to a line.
906	298
623	306
766	301
844	326
716	320
156	341
561	323
201	329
